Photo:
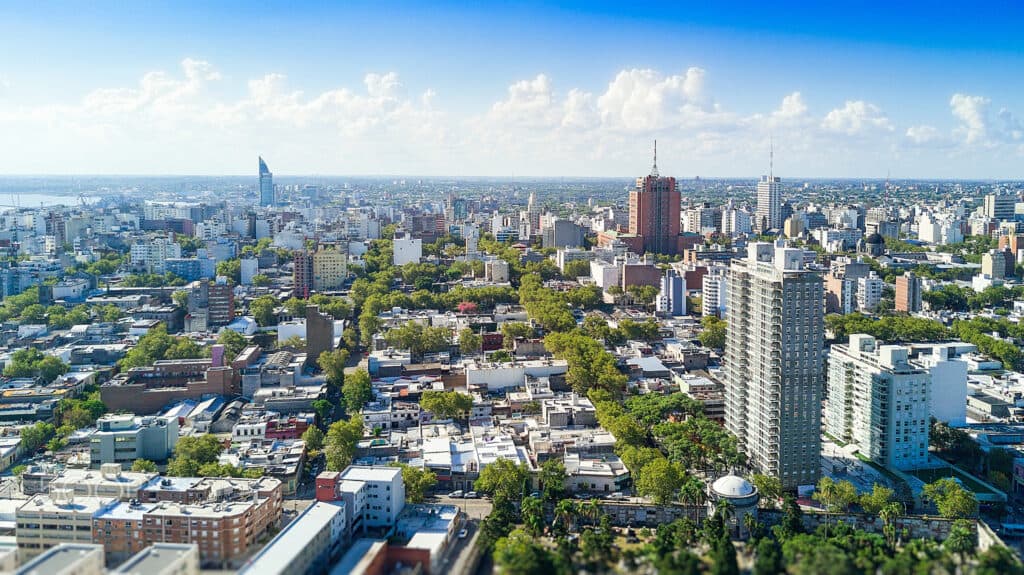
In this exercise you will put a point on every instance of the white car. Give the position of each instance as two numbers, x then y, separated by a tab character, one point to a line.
456	494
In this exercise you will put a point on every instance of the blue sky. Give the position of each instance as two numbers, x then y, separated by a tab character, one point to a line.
850	89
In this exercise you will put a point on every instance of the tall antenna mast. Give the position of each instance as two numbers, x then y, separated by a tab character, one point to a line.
654	168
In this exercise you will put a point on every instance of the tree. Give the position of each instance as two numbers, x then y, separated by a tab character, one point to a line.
418	482
231	269
30	362
294	342
836	496
660	480
314	438
514	330
340	445
260	280
552	479
357	390
446	404
952	500
180	298
323	408
532	512
469	341
201	449
888	515
998	560
143	466
961	539
333	363
769	558
874	502
713	334
769	487
35	436
504	479
519	554
418	338
233	343
262	310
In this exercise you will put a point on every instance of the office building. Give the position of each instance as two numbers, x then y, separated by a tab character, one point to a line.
47	520
562	234
329	269
122	439
879	401
769	204
1000	206
654	207
267	197
908	293
773	360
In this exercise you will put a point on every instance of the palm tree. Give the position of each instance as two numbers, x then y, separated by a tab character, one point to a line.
591	510
727	511
751	524
889	513
693	494
565	514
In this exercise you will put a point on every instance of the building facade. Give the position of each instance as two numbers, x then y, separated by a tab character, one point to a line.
654	207
267	197
773	359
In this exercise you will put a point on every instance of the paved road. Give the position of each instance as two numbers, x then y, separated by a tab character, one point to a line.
475	509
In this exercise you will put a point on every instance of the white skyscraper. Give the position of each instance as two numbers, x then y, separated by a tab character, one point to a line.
769	203
879	401
773	362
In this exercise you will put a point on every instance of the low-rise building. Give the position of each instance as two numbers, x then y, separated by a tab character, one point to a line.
603	473
306	545
45	521
124	438
66	559
162	559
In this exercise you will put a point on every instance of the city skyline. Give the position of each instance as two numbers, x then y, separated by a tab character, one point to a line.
319	92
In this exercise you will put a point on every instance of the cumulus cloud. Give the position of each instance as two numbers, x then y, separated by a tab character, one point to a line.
537	126
855	118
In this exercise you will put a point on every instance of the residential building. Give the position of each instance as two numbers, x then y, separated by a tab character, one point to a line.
124	438
162	559
654	207
329	269
713	292
67	559
151	255
773	358
308	544
671	299
999	206
769	203
869	292
879	401
908	293
407	250
302	273
385	493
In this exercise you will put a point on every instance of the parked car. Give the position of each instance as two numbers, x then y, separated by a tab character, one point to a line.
456	494
472	495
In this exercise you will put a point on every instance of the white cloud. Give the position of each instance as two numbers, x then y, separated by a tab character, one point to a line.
855	118
206	122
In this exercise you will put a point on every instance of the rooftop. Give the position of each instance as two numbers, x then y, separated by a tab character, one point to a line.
282	550
60	558
155	557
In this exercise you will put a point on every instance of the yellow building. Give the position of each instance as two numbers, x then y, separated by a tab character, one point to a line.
329	269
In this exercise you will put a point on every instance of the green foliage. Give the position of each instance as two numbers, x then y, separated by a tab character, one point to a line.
469	341
30	362
546	307
233	343
333	364
446	404
890	328
503	479
35	436
873	503
976	330
768	487
143	466
590	365
955	445
713	333
152	280
262	309
340	445
951	499
261	280
231	269
323	408
576	268
156	345
660	480
314	438
699	443
519	554
357	390
652	408
13	306
836	496
418	482
514	330
552	479
418	338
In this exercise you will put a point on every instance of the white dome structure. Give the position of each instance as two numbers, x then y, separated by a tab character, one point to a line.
742	498
733	486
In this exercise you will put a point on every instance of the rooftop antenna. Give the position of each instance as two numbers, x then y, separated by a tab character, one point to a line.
654	168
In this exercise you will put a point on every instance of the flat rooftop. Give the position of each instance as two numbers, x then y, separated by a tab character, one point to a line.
368	473
156	557
277	555
58	559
